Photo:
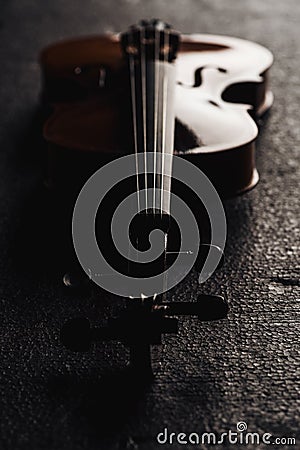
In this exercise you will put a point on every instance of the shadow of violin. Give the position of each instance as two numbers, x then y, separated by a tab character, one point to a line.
103	405
41	244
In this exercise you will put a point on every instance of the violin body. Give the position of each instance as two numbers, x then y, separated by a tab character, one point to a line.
221	89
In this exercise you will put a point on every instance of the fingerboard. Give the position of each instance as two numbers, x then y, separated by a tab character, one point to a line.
150	49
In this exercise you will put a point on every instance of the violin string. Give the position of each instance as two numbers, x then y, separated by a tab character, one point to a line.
133	100
165	99
156	92
144	99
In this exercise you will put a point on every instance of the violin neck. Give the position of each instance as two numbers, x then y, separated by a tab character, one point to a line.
150	49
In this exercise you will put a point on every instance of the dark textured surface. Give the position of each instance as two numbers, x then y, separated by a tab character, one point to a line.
211	376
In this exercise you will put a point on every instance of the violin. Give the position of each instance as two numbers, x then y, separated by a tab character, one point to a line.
161	98
221	88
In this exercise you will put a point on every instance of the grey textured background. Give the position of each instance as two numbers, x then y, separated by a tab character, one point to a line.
211	376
